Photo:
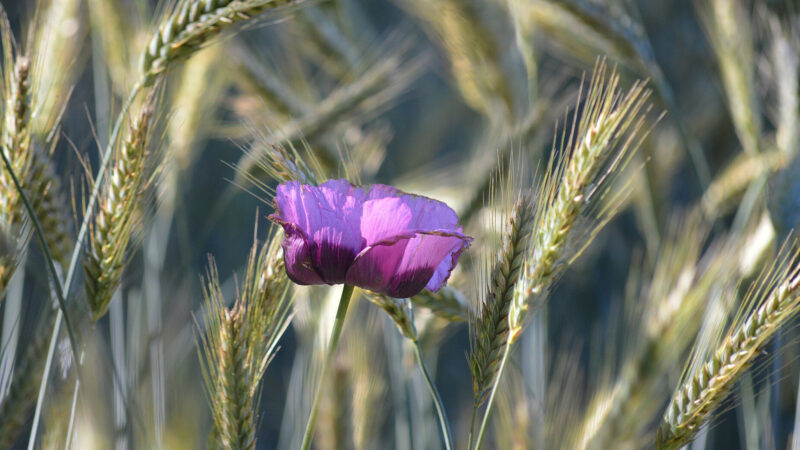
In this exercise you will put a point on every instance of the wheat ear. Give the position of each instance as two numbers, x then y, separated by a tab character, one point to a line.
47	198
491	325
239	343
684	282
113	225
726	189
192	24
16	145
491	338
57	42
236	429
596	154
707	384
607	133
448	303
398	310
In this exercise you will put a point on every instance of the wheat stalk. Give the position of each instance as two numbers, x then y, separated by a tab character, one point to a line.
175	40
113	225
367	381
376	86
29	111
203	81
514	423
706	385
257	78
119	37
683	283
236	430
783	61
613	30
608	117
57	421
335	49
402	314
192	24
491	337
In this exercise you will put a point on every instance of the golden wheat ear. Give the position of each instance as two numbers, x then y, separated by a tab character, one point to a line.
16	144
191	25
239	342
602	139
600	144
115	221
491	330
772	300
690	276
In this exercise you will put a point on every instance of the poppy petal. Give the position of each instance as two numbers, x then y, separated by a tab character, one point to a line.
297	256
384	217
402	266
330	216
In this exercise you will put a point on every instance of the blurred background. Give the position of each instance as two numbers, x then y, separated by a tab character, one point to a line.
431	96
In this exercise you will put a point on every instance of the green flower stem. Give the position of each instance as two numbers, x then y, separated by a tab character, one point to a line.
341	312
437	399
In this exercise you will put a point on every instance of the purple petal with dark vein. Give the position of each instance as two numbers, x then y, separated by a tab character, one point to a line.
376	267
330	217
402	266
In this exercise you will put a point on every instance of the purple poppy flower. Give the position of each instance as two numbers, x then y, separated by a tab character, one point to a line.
375	237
